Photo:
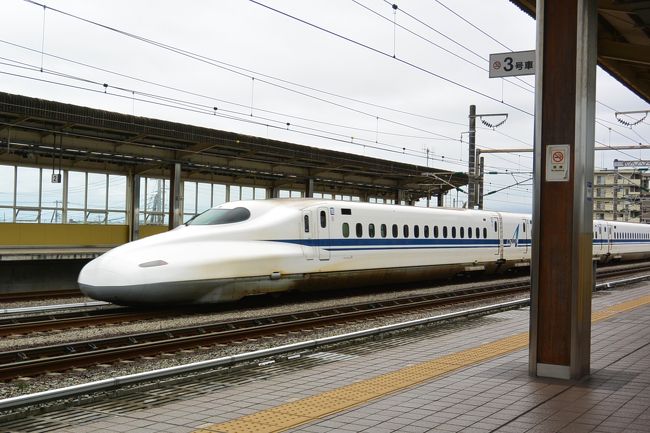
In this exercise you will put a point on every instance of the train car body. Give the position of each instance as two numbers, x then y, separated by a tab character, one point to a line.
251	247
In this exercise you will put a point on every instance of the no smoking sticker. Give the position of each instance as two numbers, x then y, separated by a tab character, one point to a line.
557	163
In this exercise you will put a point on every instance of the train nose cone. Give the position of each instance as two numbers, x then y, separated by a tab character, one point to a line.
105	279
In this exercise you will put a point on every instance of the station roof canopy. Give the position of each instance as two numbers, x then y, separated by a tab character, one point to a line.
46	133
623	41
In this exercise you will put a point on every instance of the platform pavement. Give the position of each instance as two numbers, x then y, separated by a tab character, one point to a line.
416	383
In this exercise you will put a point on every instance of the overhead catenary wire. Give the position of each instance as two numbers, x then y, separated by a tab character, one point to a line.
248	73
383	53
220	65
232	115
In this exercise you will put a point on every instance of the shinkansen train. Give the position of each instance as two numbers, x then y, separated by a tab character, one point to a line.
245	248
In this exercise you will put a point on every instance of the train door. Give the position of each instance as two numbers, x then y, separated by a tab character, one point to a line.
496	230
610	235
599	239
307	234
323	230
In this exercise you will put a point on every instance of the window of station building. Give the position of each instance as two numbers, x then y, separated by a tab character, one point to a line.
286	193
371	230
7	174
345	228
384	231
93	198
359	230
395	230
154	209
406	231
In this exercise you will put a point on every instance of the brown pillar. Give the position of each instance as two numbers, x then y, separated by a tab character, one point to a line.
562	232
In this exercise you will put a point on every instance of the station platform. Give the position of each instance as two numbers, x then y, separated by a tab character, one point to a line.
469	376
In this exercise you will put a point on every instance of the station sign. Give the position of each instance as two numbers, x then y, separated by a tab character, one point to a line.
512	64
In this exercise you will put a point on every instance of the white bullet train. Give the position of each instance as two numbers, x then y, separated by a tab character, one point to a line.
252	247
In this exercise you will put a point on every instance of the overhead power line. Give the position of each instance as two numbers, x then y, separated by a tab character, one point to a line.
385	54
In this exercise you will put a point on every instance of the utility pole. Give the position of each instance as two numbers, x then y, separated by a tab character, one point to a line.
474	190
615	192
471	169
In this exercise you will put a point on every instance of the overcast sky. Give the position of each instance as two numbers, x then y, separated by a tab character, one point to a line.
263	70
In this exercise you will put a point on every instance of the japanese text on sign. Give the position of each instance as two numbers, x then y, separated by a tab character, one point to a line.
511	64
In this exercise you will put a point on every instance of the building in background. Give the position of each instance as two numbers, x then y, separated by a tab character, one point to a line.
622	195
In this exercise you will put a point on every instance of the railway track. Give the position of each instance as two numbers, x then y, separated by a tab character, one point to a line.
31	362
36	361
38	295
60	320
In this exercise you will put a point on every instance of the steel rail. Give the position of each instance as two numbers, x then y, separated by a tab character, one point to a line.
62	357
112	383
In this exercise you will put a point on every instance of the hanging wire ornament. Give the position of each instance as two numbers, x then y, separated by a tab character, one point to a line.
627	113
493	125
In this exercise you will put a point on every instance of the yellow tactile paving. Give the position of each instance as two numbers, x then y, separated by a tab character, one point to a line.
299	412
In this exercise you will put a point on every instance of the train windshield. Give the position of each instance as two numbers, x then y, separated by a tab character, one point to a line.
220	216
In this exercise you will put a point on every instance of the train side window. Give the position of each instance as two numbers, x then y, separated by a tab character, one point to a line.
384	231
462	232
416	231
469	232
395	230
444	232
406	231
453	232
346	230
524	226
484	233
426	231
371	230
346	211
496	227
478	232
306	223
435	232
359	230
323	219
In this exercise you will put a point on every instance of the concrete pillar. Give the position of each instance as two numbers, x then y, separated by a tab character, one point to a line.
133	213
309	188
175	218
560	325
399	196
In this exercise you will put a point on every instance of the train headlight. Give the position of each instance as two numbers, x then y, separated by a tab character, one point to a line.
152	264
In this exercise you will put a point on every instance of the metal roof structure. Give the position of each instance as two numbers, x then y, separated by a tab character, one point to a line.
47	133
623	41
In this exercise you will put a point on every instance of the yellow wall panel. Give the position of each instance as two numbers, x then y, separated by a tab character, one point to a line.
151	230
23	235
62	234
